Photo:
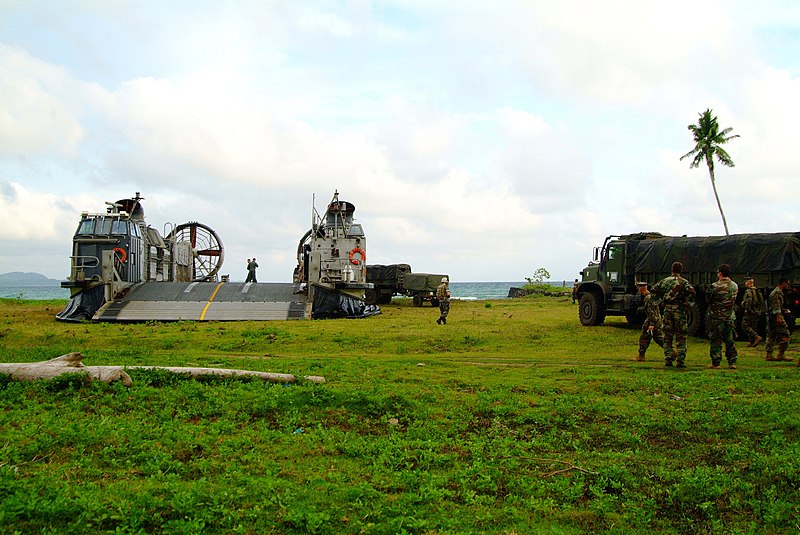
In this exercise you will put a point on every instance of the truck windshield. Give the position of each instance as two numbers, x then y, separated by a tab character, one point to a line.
616	254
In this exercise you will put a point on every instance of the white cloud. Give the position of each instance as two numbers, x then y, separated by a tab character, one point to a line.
481	140
33	216
37	112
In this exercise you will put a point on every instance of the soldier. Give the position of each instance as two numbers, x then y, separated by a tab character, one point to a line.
778	331
752	309
575	291
676	293
721	298
443	296
249	273
652	326
251	270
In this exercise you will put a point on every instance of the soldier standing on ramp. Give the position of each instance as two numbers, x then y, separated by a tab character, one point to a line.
652	326
251	270
722	317
676	293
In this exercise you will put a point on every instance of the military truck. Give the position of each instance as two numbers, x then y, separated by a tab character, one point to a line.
397	279
608	284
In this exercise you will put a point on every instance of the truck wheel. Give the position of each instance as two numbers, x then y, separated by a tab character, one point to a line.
590	311
417	300
371	296
694	320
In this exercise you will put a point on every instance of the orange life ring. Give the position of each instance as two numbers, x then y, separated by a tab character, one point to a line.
122	254
358	250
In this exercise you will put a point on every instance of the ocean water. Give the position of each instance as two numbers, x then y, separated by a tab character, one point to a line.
481	290
34	292
459	290
491	290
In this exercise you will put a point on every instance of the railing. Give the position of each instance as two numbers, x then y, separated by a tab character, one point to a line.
79	264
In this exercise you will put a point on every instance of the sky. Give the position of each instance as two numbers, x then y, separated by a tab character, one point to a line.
483	140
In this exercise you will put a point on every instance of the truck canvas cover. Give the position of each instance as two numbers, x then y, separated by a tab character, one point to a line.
422	281
386	273
760	252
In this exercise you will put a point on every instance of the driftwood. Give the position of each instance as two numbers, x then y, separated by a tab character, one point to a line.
73	363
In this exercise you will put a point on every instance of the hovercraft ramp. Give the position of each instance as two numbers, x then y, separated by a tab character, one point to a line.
204	301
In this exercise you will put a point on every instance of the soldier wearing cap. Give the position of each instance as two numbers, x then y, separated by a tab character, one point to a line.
652	326
443	296
752	309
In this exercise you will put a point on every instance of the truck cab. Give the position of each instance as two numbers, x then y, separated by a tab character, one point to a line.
607	285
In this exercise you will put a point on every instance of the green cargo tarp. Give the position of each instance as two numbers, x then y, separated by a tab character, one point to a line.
386	274
422	282
758	252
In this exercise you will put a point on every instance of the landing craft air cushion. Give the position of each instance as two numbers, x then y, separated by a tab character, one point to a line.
121	269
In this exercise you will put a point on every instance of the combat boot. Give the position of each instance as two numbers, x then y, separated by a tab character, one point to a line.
784	358
638	358
757	341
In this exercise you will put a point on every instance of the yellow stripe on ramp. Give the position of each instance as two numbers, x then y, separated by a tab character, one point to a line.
210	299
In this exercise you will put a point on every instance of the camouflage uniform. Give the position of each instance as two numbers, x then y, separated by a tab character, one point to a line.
752	308
676	294
778	331
443	296
721	299
653	318
251	271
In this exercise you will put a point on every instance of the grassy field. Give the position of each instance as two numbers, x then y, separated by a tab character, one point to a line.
512	418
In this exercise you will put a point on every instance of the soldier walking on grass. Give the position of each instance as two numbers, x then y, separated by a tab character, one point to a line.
752	309
652	326
778	330
721	298
443	296
677	294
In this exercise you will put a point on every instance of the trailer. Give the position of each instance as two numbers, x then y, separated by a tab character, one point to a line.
398	279
608	285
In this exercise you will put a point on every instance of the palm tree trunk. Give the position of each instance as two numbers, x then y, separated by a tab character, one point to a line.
716	196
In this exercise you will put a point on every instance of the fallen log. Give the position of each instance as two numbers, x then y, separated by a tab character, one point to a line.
73	363
224	372
69	363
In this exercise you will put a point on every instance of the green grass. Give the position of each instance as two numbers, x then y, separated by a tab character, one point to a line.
513	418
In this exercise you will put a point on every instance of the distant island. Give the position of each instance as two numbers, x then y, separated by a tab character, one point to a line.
18	278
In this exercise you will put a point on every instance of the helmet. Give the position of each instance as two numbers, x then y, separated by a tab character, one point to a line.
444	279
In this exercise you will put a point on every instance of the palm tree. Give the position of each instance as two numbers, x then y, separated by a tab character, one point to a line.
708	140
